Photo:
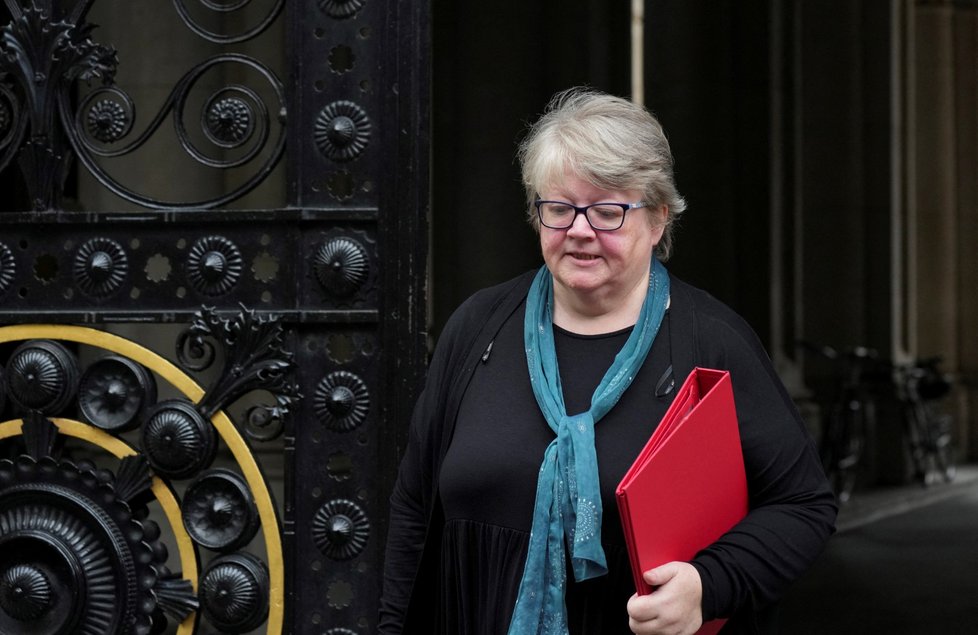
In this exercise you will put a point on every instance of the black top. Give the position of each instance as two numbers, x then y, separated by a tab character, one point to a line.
488	480
744	573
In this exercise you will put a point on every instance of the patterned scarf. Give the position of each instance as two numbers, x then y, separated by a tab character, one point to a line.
568	497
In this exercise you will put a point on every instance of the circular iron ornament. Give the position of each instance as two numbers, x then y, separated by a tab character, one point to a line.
108	120
73	558
219	512
341	8
8	267
342	401
341	266
234	593
342	130
228	121
176	439
42	375
100	267
114	392
340	529
106	114
214	265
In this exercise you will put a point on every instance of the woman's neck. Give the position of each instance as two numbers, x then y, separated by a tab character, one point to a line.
598	311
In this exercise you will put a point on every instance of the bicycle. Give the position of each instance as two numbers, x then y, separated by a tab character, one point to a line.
846	416
920	387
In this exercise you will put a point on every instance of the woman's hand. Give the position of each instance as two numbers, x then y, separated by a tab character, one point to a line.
674	607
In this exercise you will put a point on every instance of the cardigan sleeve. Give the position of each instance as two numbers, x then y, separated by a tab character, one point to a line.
792	508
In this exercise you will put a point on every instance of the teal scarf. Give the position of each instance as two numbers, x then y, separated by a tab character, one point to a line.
568	498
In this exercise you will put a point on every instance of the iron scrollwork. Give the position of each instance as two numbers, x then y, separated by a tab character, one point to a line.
41	59
233	117
227	7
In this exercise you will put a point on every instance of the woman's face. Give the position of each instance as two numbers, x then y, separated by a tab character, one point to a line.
608	263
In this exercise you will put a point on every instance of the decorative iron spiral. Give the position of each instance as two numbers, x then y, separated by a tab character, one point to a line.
8	266
42	375
342	130
234	593
342	401
219	512
341	8
214	265
114	391
340	529
262	423
176	439
100	267
341	266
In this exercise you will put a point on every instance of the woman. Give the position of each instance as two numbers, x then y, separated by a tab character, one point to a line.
542	391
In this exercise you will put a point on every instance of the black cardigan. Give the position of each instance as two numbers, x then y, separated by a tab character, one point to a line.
744	573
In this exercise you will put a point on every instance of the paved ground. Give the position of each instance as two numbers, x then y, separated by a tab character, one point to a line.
904	560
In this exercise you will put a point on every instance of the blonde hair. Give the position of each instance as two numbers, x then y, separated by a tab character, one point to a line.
612	143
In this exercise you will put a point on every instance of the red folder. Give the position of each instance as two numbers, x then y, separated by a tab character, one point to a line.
687	487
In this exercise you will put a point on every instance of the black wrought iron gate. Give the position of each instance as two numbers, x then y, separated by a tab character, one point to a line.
202	398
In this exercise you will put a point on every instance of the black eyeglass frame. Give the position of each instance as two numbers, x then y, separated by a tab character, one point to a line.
583	210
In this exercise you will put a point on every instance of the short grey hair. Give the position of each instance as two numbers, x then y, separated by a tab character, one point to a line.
609	141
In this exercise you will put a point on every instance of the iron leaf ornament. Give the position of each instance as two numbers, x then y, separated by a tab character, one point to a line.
255	358
42	54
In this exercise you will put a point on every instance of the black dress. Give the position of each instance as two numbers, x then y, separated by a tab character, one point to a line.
489	476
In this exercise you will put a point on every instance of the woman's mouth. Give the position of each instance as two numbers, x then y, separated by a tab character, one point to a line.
579	256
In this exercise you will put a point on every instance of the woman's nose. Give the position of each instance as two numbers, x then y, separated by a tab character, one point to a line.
580	226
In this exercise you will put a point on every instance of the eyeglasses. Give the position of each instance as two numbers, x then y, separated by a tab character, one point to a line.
602	217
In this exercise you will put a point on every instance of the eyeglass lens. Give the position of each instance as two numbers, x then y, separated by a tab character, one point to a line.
557	215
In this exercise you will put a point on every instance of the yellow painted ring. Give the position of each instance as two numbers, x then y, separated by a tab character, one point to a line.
225	428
